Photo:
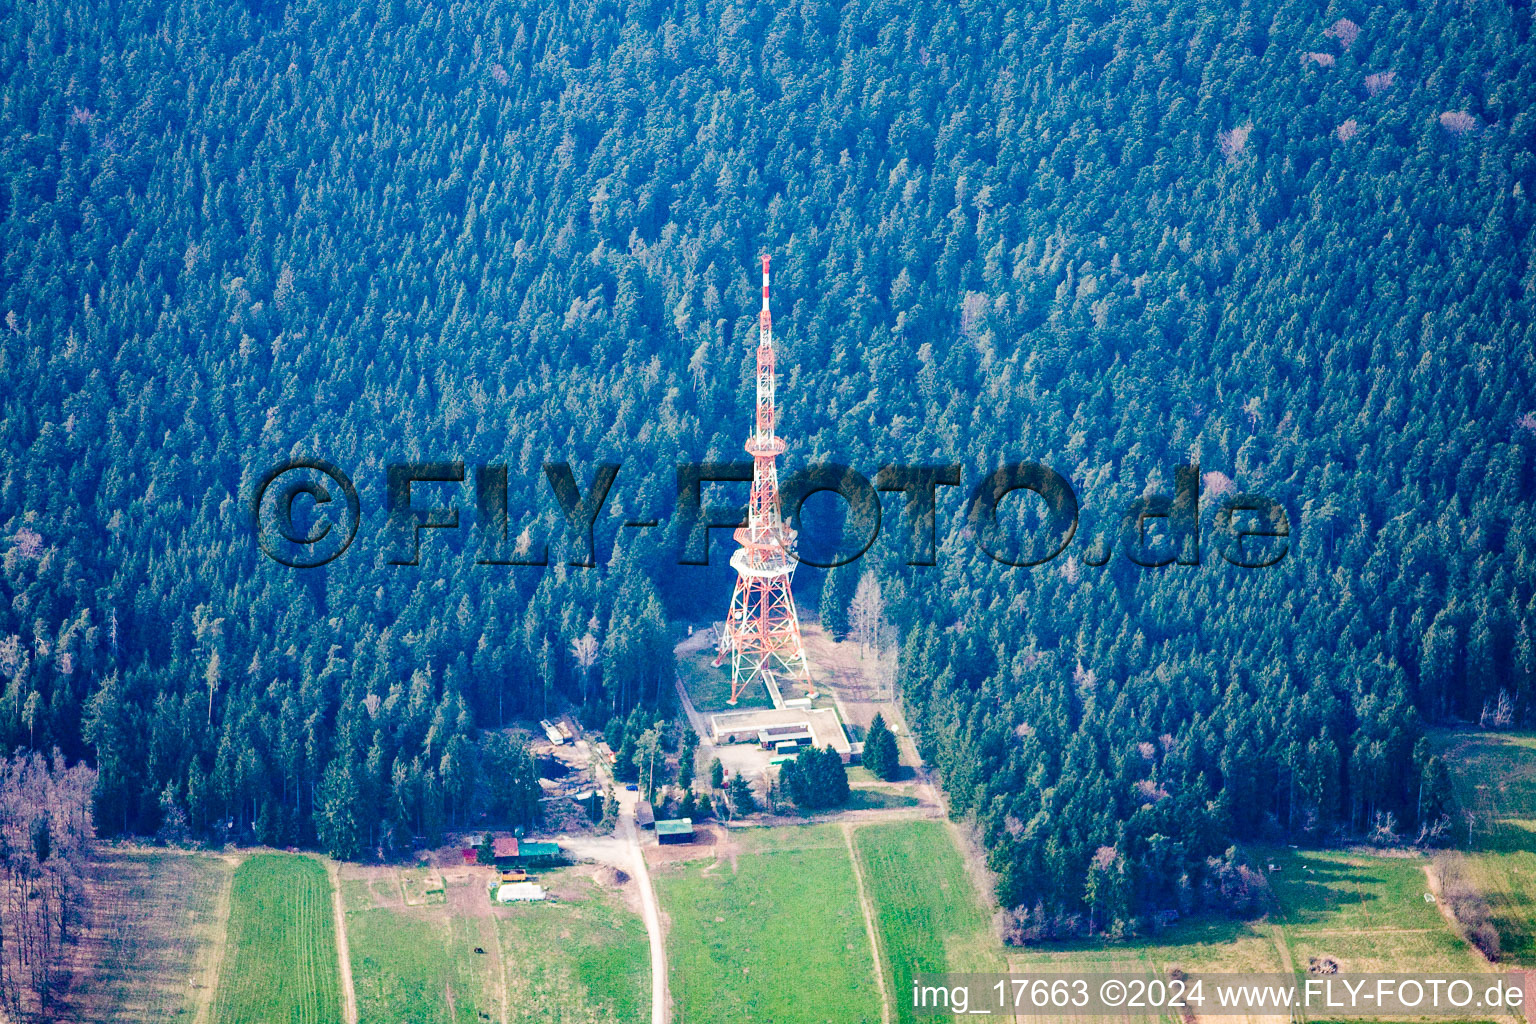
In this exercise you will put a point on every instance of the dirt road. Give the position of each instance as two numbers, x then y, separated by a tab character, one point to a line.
349	993
659	1001
869	923
622	850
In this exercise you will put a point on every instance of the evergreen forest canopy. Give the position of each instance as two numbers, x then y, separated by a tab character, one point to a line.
1290	241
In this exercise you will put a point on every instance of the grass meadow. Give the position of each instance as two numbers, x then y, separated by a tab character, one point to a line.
774	934
768	929
928	914
1365	910
1495	779
280	962
420	886
583	960
709	687
417	965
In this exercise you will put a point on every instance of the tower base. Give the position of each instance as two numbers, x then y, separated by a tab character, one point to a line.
762	633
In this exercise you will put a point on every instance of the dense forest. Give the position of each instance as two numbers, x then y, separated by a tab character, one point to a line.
1286	240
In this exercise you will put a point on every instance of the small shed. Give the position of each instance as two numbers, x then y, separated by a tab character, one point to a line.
645	814
532	853
504	851
675	830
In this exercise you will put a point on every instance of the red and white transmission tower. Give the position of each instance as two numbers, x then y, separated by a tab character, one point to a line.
762	631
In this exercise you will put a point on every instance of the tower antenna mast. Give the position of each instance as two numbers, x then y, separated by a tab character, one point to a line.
762	630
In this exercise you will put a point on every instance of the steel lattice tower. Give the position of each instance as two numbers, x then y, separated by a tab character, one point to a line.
762	631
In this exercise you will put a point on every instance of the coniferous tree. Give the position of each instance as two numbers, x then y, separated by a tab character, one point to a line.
880	754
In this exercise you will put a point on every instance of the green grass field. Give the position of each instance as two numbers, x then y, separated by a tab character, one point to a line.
1366	911
737	935
280	964
1495	779
583	960
927	912
781	938
418	965
876	799
709	687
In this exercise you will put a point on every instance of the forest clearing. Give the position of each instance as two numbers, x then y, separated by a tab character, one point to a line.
745	911
1363	910
581	960
414	959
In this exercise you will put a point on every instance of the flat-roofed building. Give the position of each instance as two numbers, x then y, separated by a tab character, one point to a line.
819	727
794	734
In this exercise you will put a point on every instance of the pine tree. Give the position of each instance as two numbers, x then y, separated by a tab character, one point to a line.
336	815
880	753
816	779
1436	798
686	756
742	800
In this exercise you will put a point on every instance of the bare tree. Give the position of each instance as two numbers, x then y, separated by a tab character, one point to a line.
866	612
585	650
45	837
887	667
208	630
1498	713
211	677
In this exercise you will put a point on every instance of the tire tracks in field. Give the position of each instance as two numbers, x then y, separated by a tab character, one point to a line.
869	924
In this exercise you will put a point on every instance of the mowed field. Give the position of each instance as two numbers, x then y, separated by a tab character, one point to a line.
709	687
766	925
928	914
771	931
150	948
742	918
1495	779
280	962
